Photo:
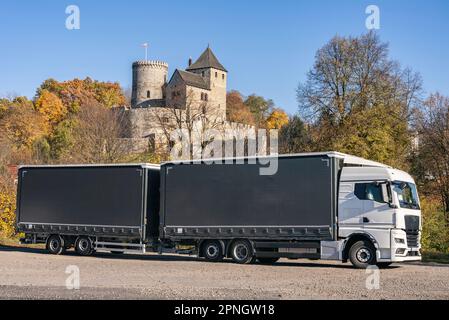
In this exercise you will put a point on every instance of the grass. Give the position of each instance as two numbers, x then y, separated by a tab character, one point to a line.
436	257
10	242
14	242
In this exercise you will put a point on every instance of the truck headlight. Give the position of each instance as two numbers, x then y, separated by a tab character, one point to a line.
399	240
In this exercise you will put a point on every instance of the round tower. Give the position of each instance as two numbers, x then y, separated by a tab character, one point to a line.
149	79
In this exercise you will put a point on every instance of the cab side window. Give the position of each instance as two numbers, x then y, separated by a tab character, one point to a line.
368	191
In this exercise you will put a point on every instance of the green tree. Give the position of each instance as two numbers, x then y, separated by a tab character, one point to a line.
359	101
260	108
293	137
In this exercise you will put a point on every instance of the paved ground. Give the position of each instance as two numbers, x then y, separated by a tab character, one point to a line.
32	274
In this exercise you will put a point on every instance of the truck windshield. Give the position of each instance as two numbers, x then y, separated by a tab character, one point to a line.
407	194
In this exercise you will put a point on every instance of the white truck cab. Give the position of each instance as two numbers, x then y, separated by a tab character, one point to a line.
379	206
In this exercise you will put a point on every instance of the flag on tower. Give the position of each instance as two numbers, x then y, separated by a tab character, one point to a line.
146	45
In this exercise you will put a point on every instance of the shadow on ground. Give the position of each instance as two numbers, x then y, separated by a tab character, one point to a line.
174	257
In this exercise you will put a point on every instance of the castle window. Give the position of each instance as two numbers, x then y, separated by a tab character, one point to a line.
148	94
216	74
202	73
206	97
173	94
223	76
202	96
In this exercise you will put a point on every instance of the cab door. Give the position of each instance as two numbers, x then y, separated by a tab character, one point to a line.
376	211
350	207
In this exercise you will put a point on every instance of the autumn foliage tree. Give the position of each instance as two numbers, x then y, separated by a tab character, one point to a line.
236	110
51	107
61	102
359	101
277	119
97	137
20	127
431	159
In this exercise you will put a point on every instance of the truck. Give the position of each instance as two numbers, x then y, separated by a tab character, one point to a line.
328	205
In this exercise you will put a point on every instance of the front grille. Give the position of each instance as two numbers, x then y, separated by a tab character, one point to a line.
411	222
412	230
412	238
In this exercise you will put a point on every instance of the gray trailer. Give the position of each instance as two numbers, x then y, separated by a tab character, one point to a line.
287	214
90	207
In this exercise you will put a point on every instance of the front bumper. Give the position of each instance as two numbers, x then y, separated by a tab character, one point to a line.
402	252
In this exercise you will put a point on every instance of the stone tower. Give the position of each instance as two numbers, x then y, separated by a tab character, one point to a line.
215	76
149	80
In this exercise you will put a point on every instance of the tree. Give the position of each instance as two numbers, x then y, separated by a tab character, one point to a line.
97	137
61	139
20	127
432	155
7	213
260	108
293	137
277	119
198	118
51	107
359	101
236	110
76	92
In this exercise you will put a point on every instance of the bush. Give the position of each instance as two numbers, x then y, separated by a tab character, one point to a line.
7	214
435	235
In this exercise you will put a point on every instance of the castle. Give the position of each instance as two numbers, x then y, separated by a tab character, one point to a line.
159	104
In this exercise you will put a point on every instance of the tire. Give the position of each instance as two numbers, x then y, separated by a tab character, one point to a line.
55	244
83	246
382	265
242	252
362	254
268	260
212	251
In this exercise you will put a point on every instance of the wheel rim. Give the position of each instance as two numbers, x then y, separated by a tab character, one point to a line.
54	244
241	252
212	251
364	255
83	244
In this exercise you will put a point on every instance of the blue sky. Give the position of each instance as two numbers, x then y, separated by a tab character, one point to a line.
267	46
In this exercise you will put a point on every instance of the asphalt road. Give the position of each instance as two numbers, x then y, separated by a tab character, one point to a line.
32	274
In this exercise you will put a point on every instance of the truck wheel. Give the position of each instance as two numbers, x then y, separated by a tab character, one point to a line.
83	246
268	260
362	254
55	244
212	251
242	252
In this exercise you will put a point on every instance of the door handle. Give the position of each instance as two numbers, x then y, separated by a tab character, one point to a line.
365	220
